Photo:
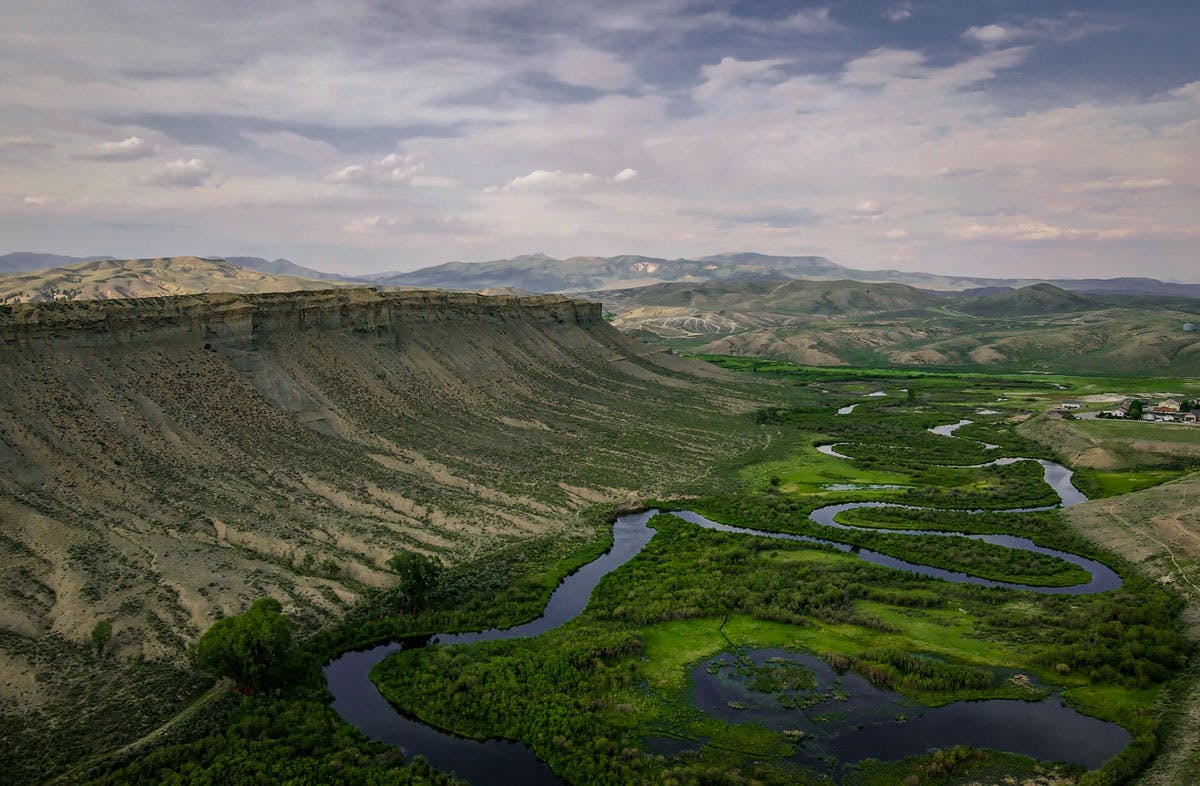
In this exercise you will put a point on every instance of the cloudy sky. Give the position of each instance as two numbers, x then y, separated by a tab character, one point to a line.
996	137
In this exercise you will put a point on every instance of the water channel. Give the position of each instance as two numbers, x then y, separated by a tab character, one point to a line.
1073	737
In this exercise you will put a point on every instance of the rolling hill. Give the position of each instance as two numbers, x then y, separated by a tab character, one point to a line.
851	323
1035	300
106	279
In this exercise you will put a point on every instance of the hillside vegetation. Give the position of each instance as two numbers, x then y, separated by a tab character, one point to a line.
1040	327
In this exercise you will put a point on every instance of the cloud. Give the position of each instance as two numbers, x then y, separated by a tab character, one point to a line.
807	21
990	35
24	142
393	168
887	67
1033	230
625	175
355	173
411	219
765	216
1190	90
731	73
1121	184
749	112
371	224
550	180
884	65
1072	26
181	174
129	149
592	68
867	207
292	144
810	20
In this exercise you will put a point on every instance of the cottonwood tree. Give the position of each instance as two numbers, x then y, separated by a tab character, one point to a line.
419	575
254	648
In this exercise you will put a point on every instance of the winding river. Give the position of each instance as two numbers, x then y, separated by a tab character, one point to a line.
359	702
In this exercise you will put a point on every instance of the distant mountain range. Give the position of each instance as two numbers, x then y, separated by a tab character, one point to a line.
542	273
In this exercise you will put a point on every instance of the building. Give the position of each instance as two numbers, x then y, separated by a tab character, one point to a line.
1191	417
1069	404
1166	407
1188	327
1121	411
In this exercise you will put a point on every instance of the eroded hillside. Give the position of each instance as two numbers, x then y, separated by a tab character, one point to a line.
166	461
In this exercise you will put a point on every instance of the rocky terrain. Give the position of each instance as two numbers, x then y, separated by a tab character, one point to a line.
166	461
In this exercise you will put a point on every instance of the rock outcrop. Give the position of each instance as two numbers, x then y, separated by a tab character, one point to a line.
243	318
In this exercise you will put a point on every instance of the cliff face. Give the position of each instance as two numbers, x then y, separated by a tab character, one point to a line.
245	318
168	460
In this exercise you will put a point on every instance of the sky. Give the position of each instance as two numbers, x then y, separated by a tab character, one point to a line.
982	137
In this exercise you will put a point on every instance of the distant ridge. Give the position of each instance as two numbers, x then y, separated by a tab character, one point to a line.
541	273
20	261
29	261
1030	301
285	267
107	279
829	323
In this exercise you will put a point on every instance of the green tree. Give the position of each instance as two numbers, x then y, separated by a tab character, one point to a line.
419	575
254	648
101	635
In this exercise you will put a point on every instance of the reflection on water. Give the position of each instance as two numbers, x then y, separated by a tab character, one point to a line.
846	717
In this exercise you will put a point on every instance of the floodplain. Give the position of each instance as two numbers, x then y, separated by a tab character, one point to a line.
611	695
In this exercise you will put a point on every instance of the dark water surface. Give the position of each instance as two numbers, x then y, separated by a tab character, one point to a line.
1044	730
361	704
865	721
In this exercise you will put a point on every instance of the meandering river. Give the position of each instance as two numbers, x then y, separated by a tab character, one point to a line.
359	702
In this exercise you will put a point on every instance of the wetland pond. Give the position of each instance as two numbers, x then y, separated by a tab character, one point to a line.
843	717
